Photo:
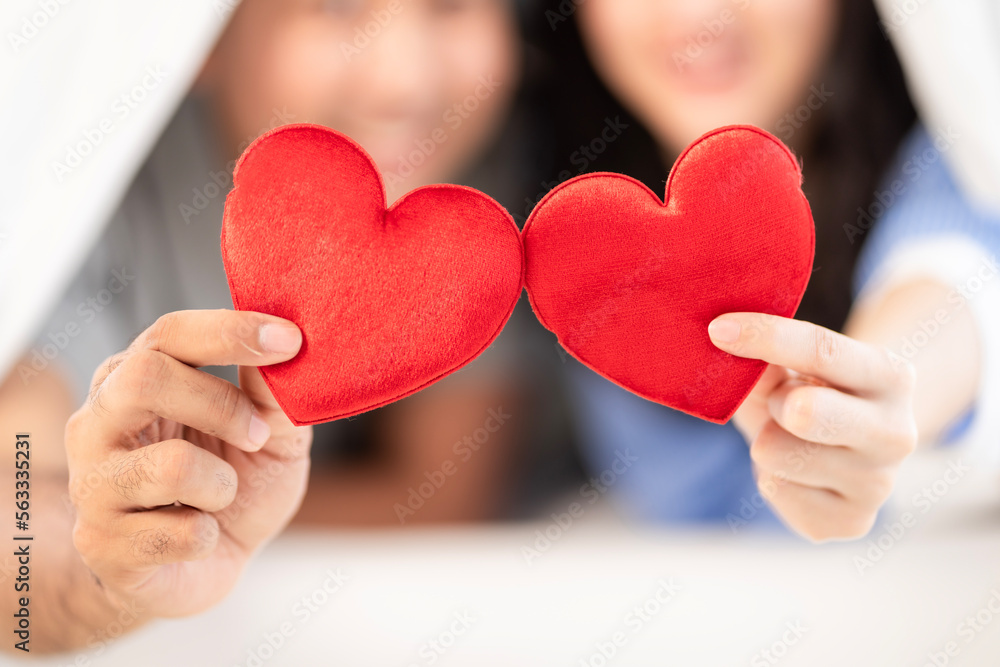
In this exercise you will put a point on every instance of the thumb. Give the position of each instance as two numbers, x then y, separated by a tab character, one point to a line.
266	406
286	440
253	385
754	412
287	338
772	377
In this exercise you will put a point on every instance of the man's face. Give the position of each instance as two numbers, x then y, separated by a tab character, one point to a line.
422	84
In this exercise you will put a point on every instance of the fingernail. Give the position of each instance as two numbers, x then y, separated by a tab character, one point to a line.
259	432
280	338
724	330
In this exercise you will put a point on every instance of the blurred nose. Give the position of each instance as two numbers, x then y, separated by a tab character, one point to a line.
684	17
399	72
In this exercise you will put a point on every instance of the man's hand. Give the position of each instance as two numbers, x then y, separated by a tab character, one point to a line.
178	476
828	424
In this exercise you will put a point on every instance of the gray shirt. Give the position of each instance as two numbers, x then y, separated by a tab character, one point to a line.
159	253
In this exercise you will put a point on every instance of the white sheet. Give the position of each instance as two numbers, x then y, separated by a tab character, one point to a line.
103	73
950	51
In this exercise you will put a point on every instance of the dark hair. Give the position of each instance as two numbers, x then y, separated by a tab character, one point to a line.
850	142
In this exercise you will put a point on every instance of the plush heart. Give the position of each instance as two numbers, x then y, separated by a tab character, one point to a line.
391	300
629	284
388	300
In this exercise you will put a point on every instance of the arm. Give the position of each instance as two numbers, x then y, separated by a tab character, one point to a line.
68	607
425	434
947	365
829	423
834	416
176	478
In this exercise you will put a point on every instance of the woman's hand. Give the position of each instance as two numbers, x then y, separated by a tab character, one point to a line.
178	476
828	424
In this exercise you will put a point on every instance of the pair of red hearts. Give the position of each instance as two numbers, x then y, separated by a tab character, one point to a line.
392	300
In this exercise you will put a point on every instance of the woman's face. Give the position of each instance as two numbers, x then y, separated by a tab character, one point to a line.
684	67
423	85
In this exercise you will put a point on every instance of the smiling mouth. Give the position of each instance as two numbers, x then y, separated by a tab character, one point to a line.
388	143
708	66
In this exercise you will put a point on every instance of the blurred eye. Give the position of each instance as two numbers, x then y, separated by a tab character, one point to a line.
447	7
343	8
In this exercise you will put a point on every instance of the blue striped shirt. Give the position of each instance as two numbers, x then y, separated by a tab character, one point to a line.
689	470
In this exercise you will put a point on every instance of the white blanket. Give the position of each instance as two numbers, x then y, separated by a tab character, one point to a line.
86	87
951	53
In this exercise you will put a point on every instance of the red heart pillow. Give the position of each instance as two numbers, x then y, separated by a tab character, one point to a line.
388	300
629	284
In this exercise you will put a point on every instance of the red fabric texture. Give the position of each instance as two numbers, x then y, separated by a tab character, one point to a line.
629	284
388	301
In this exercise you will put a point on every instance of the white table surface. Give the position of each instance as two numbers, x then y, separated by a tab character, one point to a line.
737	596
